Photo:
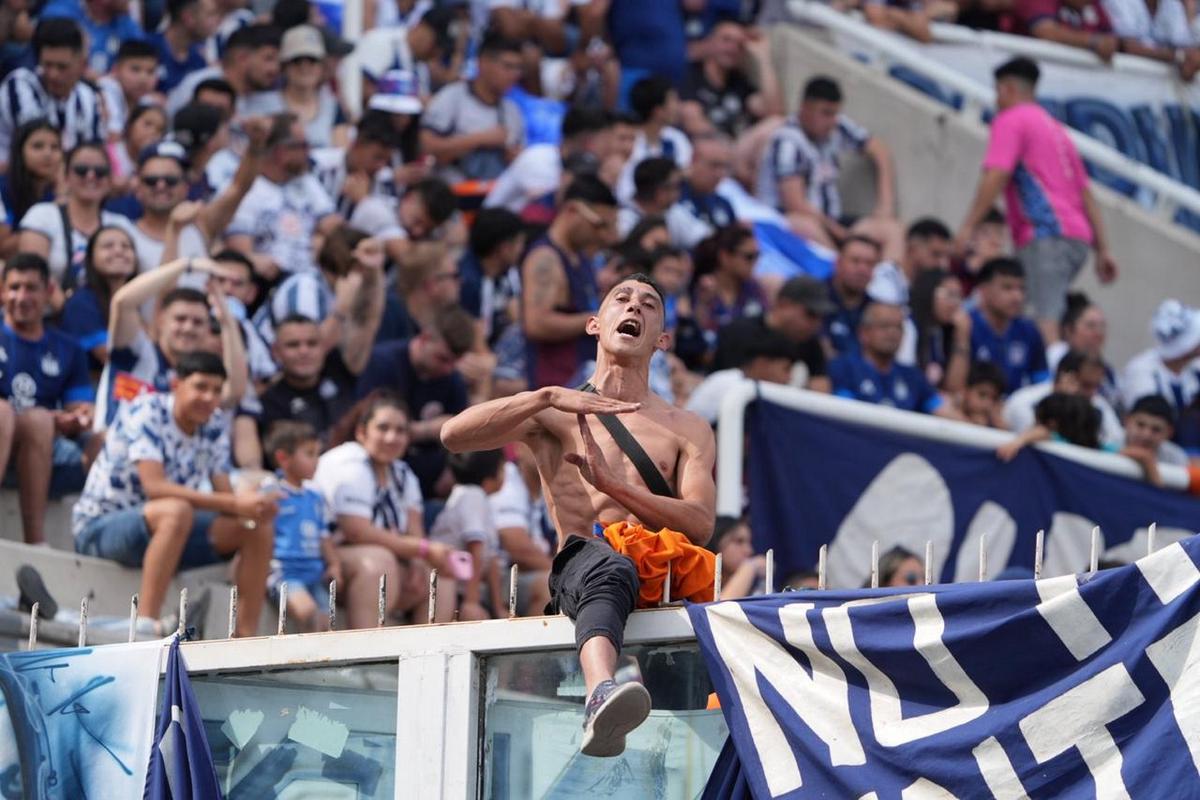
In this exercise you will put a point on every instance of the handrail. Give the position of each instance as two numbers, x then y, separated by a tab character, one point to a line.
731	428
1170	194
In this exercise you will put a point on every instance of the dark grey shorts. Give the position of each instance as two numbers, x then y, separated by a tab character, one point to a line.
1051	264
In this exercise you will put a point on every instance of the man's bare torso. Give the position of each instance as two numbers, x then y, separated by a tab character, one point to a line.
574	504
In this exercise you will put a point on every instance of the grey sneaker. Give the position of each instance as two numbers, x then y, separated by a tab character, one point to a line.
612	712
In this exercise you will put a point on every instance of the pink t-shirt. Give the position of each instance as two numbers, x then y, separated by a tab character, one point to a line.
1045	194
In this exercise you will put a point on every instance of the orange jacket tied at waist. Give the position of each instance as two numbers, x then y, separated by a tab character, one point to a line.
692	567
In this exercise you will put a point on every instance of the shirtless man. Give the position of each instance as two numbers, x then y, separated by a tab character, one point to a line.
587	478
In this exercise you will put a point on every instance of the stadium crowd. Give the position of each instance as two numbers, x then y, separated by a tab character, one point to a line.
236	316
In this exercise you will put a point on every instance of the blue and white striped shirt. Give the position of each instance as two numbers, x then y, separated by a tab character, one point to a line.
23	98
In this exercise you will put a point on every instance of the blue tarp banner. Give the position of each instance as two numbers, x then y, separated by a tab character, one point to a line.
181	764
1069	687
814	480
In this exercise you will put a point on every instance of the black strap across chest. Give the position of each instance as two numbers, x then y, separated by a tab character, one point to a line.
634	451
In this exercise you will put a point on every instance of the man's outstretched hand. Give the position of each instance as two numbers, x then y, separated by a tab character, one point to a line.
591	463
576	402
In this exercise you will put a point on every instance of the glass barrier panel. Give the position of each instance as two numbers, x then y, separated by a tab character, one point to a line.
327	733
533	713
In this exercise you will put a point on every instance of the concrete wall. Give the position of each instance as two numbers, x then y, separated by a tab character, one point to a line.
937	155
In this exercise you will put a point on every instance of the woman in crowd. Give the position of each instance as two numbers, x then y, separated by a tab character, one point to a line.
146	125
108	263
943	329
34	168
306	93
725	286
376	499
44	228
900	567
1085	329
741	571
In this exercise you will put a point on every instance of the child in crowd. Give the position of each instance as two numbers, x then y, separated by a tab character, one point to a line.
981	400
742	572
1148	431
130	84
305	556
466	523
1061	417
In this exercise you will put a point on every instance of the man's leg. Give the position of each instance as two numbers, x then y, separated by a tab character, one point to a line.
34	442
362	564
169	521
254	548
8	426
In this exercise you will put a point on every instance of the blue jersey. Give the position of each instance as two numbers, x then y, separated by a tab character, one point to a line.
171	72
841	326
1019	351
50	373
83	320
300	524
712	208
104	38
900	387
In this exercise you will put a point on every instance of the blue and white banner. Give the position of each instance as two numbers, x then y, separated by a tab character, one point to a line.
1065	687
77	723
815	481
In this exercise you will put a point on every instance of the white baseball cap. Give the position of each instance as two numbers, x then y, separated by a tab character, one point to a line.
1176	329
302	41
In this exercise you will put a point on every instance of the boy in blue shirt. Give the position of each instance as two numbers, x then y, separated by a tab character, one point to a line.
872	374
999	334
305	555
46	395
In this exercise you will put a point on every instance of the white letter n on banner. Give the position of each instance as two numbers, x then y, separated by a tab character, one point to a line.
820	700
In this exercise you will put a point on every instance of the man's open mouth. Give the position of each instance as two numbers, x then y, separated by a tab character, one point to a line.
630	327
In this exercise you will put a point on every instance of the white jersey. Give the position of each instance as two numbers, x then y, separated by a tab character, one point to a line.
791	153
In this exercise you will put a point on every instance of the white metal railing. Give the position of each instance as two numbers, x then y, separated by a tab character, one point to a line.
730	436
1168	195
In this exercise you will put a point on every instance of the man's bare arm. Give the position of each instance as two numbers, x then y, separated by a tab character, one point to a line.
508	419
692	513
543	286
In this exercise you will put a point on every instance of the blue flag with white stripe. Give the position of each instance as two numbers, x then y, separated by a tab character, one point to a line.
181	765
814	480
1067	687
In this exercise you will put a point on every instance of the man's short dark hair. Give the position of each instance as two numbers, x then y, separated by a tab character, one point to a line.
57	32
648	94
252	37
985	372
199	362
492	228
581	120
28	262
183	294
136	48
639	277
768	344
438	197
590	189
495	43
474	467
376	127
231	256
1075	361
1155	405
652	174
861	239
1021	68
217	86
456	327
176	7
296	318
928	228
288	435
824	88
997	267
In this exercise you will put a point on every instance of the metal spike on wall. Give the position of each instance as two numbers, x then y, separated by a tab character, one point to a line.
666	592
1150	537
769	584
512	592
233	611
332	605
928	562
1039	550
382	601
183	601
83	620
718	565
281	626
133	609
33	625
823	567
432	596
1094	560
875	564
983	573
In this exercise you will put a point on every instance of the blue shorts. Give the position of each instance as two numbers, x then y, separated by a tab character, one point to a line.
66	468
122	536
306	575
